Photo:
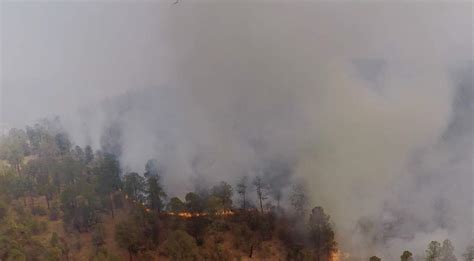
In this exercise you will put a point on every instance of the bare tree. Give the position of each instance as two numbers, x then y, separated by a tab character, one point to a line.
261	190
242	191
299	200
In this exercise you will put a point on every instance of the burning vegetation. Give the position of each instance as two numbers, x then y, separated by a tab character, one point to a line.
87	192
45	180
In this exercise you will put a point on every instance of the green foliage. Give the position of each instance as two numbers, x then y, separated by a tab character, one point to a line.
155	193
180	246
176	205
54	211
469	254
79	205
194	202
447	251
37	227
224	193
433	252
299	200
374	258
215	251
98	236
19	187
88	155
134	186
406	256
3	210
321	233
214	205
54	254
39	211
107	172
54	241
129	236
152	169
62	142
15	255
14	147
103	255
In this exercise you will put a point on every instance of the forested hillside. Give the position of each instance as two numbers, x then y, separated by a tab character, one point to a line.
59	201
64	202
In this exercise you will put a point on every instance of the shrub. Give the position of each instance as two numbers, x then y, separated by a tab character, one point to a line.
54	212
37	227
98	236
3	210
16	255
39	211
118	201
180	246
19	209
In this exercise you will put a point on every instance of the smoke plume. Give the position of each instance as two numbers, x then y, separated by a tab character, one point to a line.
370	104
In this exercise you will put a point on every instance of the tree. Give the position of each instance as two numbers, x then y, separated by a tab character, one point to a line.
447	251
78	154
194	203
54	240
374	258
433	252
19	187
88	154
152	168
224	193
155	193
214	205
469	254
79	206
128	236
71	169
321	233
98	236
62	142
299	200
39	171
180	246
14	147
261	190
242	191
276	173
176	205
107	172
134	186
406	256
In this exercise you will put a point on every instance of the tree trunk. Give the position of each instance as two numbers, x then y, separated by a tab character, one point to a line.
251	251
47	201
130	255
261	205
112	207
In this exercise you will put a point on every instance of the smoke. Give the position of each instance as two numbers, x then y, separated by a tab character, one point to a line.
369	103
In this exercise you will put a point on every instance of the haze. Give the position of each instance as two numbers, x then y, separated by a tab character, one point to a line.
369	103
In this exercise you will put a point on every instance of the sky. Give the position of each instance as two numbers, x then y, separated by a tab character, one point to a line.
368	103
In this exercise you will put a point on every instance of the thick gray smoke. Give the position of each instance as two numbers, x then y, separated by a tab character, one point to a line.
369	103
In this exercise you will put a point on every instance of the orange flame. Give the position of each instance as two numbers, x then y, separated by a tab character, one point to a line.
335	256
200	214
